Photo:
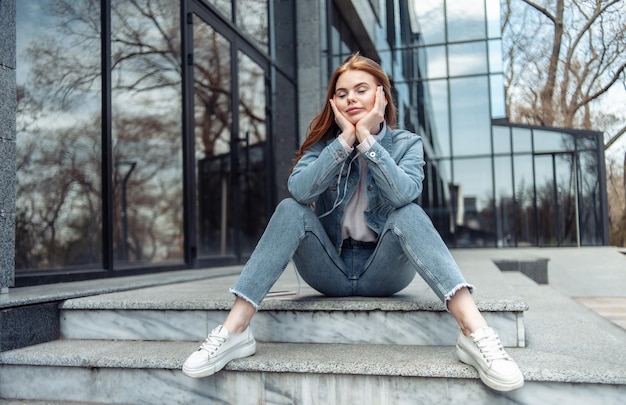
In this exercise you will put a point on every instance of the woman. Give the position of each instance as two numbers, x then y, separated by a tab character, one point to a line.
352	228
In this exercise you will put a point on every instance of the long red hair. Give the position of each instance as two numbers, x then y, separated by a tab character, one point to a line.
323	126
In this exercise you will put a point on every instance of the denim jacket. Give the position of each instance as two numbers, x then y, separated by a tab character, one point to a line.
327	175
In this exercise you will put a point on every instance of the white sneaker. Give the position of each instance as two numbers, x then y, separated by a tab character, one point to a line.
217	350
483	350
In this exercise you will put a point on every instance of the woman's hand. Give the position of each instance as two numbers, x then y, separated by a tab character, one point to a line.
370	124
348	131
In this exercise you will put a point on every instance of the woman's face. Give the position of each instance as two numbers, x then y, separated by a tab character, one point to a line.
355	94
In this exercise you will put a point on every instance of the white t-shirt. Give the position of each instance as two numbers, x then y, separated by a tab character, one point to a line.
354	225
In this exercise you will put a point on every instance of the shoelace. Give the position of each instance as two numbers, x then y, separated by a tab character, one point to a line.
212	343
491	348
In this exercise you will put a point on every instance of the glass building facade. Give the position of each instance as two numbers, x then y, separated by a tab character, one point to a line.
504	185
157	135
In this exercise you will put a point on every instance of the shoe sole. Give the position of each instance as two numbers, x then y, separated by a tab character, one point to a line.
236	353
484	377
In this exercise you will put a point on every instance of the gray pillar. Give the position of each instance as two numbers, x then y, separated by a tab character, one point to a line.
8	105
312	77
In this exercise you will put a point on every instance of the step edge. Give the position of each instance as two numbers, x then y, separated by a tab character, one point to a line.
322	304
437	361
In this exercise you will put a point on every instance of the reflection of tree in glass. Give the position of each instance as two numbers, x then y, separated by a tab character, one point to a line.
556	213
146	103
523	216
252	20
65	55
554	220
58	215
63	88
59	114
584	165
252	100
58	153
212	88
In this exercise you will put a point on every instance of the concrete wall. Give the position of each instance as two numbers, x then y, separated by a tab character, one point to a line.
7	144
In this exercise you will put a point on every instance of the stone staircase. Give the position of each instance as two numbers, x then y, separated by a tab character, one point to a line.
127	347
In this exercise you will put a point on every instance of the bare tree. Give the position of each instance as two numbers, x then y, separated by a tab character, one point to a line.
563	61
562	57
616	180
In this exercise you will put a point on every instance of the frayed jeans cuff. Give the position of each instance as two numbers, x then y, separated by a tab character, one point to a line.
449	296
242	296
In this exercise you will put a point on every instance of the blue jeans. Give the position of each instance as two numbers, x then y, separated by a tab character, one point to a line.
408	244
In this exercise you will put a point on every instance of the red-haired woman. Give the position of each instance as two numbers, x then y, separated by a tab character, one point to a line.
364	236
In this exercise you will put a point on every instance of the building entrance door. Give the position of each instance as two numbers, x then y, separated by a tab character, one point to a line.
227	140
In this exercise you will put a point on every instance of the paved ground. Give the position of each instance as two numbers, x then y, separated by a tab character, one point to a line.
593	276
611	308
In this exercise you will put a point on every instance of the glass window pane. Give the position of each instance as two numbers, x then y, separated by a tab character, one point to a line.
58	146
543	172
505	209
467	59
471	122
445	173
430	15
521	140
588	142
465	19
419	58
437	205
525	218
495	56
436	59
589	206
212	132
566	200
546	201
501	139
439	93
493	19
252	152
225	7
497	96
335	44
252	18
551	141
474	201
556	206
146	121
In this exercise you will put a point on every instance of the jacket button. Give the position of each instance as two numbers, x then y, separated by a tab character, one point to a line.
370	187
372	154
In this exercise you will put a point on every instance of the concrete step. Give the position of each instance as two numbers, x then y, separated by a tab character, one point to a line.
135	372
188	311
35	402
571	356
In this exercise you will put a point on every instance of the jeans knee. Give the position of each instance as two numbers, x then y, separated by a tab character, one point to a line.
285	203
289	206
410	213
